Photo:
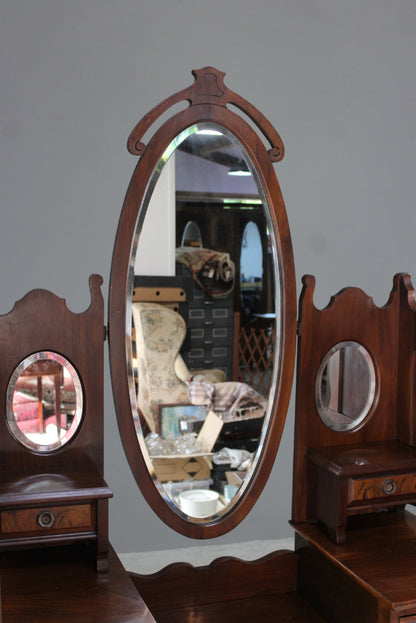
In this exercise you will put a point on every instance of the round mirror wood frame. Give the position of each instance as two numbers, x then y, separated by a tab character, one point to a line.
208	99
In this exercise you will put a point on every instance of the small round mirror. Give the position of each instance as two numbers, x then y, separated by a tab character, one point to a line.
345	386
44	401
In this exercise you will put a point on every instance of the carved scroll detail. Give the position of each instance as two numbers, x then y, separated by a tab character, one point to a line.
208	88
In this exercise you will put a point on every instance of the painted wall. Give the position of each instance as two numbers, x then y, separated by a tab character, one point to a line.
337	79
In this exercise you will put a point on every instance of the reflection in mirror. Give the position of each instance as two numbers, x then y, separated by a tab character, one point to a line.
345	386
206	361
251	271
44	401
191	235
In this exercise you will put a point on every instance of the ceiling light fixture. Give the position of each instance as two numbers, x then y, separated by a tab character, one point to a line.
240	170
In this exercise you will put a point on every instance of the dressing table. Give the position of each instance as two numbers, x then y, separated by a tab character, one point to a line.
354	459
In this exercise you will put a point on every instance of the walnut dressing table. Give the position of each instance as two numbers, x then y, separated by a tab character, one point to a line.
354	457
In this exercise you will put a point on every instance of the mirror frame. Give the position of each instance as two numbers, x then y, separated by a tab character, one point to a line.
208	99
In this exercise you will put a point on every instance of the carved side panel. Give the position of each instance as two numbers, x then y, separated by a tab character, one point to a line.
41	321
388	334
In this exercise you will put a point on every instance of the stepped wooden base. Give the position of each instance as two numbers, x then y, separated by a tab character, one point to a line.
371	578
227	590
60	585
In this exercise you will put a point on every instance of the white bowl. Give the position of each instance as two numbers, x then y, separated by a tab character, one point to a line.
199	502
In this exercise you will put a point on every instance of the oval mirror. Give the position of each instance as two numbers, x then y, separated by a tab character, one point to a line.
345	386
44	402
201	386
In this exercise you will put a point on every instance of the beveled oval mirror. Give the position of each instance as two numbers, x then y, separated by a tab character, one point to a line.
202	385
44	402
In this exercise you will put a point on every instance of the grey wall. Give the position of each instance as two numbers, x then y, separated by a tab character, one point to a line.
337	79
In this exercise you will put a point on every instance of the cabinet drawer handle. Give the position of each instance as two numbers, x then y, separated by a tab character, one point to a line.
46	519
388	487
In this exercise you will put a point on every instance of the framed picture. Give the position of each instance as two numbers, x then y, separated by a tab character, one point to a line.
177	419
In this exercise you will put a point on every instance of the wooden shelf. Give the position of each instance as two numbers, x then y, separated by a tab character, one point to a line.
267	609
371	577
226	590
61	586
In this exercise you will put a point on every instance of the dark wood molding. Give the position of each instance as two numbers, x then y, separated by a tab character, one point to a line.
225	579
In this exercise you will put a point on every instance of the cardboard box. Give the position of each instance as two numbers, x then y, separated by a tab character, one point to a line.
190	467
175	468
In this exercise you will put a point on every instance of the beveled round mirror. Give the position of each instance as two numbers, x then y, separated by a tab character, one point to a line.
202	381
44	402
345	386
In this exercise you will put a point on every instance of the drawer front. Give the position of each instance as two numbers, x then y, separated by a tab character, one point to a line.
409	619
382	487
198	358
47	520
210	316
210	336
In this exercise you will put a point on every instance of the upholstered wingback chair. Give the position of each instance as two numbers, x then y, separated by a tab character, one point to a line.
159	332
163	377
162	373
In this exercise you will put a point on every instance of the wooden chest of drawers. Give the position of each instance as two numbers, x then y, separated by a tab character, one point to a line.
53	509
347	480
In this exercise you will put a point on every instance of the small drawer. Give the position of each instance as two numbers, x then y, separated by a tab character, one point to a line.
198	358
47	520
211	335
207	317
385	486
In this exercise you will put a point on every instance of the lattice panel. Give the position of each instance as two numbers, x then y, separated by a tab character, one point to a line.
256	355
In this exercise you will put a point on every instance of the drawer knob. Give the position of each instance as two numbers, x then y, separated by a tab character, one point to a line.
388	487
46	519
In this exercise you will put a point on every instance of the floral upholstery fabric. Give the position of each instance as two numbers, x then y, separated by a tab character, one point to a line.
163	377
159	336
